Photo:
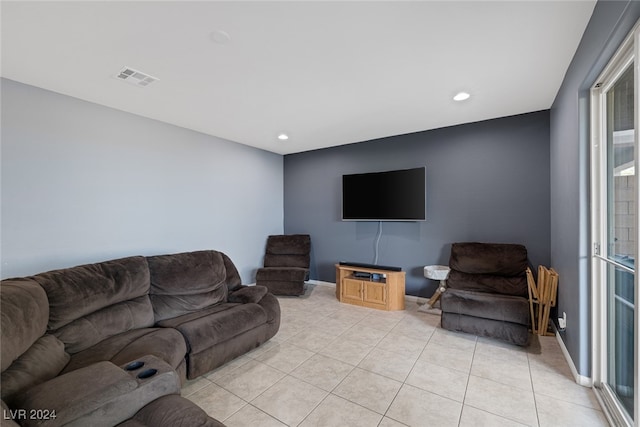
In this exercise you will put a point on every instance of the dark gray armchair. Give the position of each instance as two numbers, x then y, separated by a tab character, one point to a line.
487	291
286	264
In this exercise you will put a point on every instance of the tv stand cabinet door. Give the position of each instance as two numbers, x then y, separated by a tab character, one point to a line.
352	291
375	294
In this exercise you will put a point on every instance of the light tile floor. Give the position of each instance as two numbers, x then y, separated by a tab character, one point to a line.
334	364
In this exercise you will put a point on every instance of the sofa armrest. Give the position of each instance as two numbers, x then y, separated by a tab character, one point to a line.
271	306
248	294
261	296
101	394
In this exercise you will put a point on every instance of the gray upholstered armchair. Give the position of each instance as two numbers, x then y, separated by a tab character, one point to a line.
286	264
487	291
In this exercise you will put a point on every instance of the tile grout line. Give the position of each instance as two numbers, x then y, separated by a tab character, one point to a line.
316	407
466	387
267	414
497	382
533	389
238	410
405	380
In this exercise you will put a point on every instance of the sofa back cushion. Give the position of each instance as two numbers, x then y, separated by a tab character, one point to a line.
489	283
25	312
499	259
292	250
190	281
92	302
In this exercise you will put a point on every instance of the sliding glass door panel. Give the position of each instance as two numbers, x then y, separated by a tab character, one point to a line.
620	336
614	196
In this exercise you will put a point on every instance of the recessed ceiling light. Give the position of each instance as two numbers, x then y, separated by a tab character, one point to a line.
461	96
220	37
283	136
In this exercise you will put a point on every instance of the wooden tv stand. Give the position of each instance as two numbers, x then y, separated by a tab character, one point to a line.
384	294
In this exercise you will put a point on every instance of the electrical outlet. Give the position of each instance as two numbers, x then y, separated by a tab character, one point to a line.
562	321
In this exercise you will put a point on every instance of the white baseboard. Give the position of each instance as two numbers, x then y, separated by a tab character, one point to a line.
321	283
413	298
407	298
580	379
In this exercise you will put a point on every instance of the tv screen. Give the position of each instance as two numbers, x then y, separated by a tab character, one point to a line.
398	195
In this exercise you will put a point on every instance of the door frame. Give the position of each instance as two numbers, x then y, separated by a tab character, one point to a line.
628	52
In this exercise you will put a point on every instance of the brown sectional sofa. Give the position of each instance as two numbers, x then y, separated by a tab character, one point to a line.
69	338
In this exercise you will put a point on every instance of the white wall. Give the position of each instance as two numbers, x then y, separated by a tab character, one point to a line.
84	183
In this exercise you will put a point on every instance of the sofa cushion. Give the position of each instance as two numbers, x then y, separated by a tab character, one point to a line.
166	344
284	287
514	333
42	361
102	324
24	317
500	259
186	282
289	274
206	331
201	363
488	283
488	306
176	321
82	290
171	411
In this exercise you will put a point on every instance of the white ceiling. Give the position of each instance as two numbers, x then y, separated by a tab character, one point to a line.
327	73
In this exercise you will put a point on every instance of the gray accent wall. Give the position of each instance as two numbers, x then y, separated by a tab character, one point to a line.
84	183
610	23
486	181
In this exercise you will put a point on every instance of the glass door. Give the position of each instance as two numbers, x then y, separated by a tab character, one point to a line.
622	236
615	235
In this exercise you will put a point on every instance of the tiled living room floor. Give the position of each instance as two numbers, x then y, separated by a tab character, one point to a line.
334	364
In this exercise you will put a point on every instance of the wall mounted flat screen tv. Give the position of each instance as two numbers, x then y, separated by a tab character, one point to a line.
397	195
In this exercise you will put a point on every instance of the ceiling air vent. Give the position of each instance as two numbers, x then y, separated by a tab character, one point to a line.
136	77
